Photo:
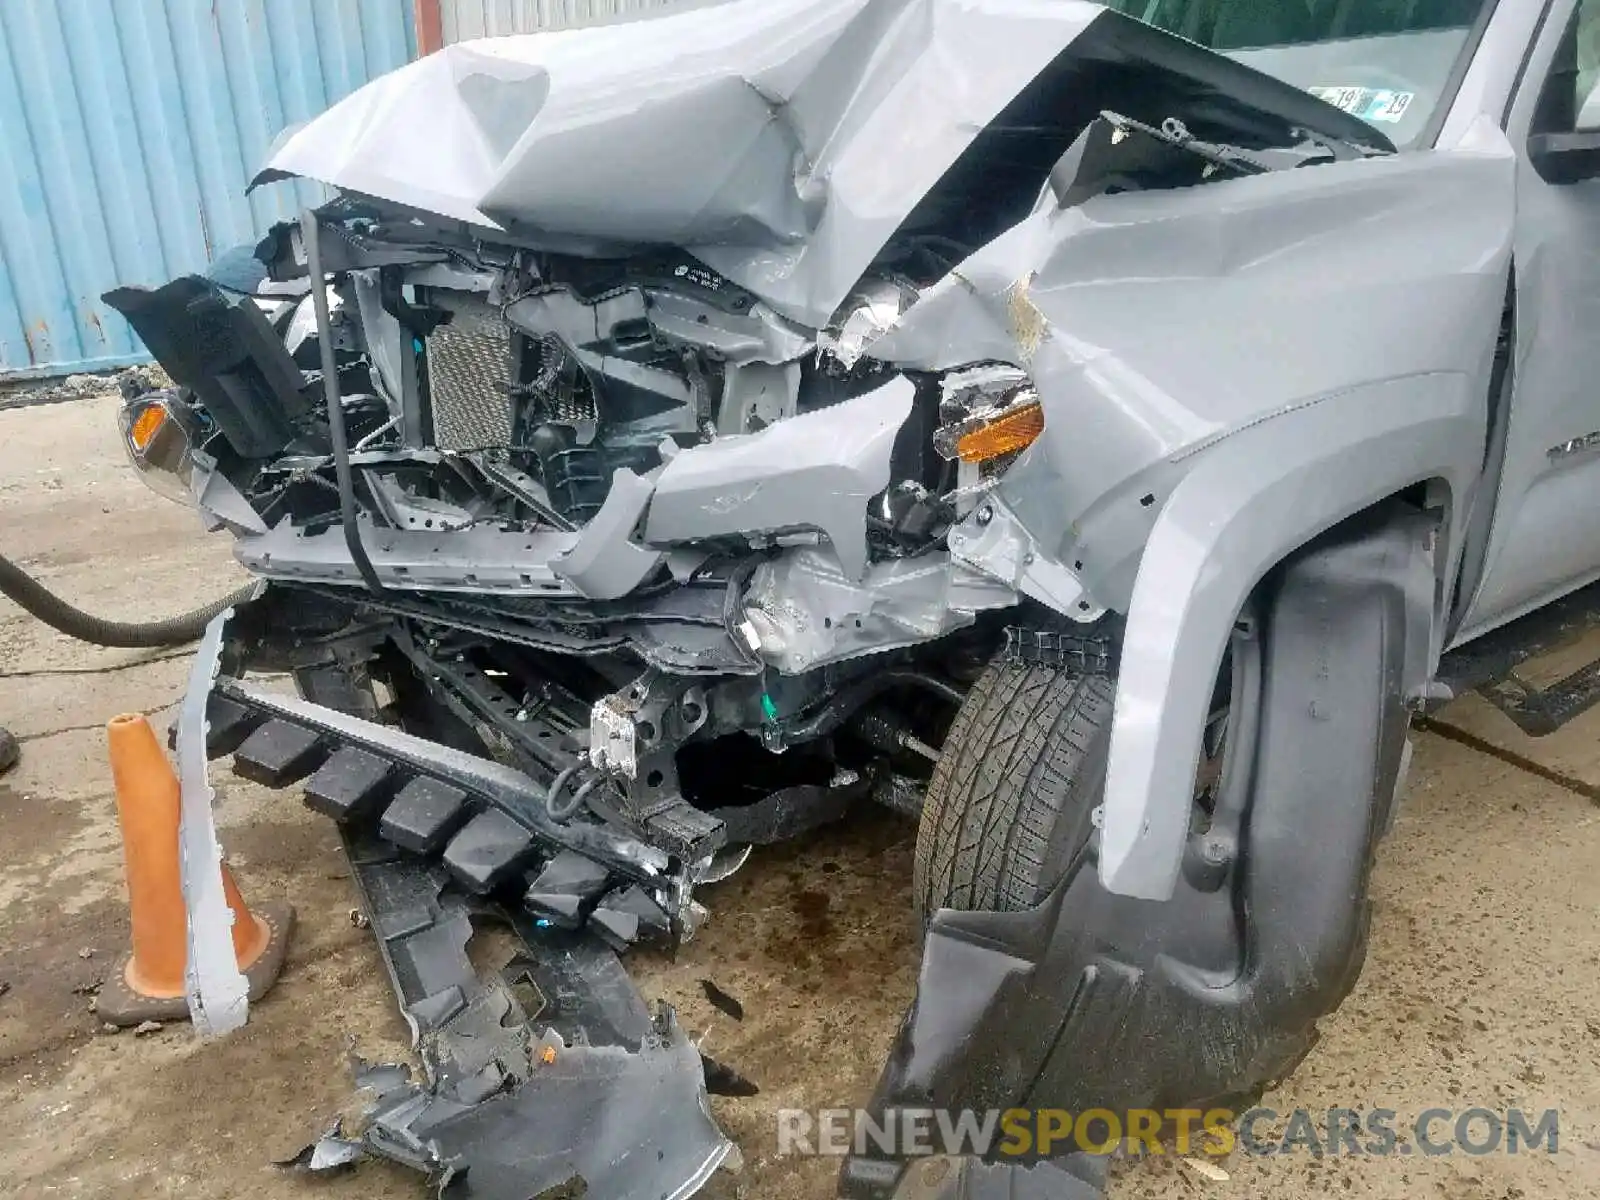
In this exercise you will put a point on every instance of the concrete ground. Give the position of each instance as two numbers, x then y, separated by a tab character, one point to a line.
1479	990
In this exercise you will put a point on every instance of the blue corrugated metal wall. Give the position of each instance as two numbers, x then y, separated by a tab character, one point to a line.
463	20
128	130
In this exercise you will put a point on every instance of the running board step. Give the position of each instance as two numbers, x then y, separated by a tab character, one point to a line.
1489	665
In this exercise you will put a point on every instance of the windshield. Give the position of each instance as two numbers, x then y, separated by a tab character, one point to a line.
1388	62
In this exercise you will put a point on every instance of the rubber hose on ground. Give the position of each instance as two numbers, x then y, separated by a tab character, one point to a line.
55	612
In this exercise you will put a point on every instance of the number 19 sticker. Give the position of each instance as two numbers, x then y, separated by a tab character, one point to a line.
1380	105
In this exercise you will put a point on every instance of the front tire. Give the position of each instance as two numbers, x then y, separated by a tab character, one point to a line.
1018	782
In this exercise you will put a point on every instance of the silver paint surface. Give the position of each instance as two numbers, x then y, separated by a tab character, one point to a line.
813	471
219	997
781	141
1226	369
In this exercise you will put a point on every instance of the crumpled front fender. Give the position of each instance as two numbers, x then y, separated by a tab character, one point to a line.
1098	1001
1226	371
1248	503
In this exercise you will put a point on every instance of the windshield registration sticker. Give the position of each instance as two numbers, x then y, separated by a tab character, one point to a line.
1370	104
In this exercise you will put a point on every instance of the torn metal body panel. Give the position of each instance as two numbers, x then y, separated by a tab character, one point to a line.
1298	274
808	612
1192	447
676	434
814	471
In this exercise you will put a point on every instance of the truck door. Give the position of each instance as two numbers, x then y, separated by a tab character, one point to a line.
1545	536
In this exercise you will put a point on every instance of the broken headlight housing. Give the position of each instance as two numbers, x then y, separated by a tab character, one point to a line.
987	416
159	433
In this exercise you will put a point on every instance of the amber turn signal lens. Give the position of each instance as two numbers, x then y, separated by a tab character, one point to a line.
146	425
1012	431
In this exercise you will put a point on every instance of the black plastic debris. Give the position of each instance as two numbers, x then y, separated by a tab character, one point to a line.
629	915
721	1001
487	850
350	786
565	888
550	1074
278	753
723	1080
228	724
423	815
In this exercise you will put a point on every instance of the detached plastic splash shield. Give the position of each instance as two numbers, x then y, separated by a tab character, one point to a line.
547	1077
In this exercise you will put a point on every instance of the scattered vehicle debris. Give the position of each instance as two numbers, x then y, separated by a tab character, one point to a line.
1206	1169
721	1001
549	1071
1093	455
723	1080
328	1153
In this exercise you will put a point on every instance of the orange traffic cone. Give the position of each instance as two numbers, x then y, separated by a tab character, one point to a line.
149	986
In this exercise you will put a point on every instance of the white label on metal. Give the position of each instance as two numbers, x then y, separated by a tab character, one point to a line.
611	741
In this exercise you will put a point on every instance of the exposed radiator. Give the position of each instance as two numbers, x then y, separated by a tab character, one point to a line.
468	369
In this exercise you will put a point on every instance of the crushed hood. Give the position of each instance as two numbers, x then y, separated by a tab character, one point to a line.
782	142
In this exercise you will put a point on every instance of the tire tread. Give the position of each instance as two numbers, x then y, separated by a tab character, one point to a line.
1001	785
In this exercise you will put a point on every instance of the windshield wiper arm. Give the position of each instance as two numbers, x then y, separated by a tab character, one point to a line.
1315	147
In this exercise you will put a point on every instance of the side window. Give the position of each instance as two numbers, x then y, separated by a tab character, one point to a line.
1587	94
1570	100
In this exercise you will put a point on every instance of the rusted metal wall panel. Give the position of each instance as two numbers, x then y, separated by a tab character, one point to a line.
463	20
128	130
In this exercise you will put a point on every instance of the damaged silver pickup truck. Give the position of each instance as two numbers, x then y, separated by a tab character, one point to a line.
1088	429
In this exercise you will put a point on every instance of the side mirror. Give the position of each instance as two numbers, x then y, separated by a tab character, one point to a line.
1566	157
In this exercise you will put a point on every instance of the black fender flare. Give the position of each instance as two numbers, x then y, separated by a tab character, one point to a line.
1098	1001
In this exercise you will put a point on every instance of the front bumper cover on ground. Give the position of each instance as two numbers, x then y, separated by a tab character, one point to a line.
548	1073
548	1076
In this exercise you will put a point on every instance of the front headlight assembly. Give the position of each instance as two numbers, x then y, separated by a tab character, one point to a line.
159	433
